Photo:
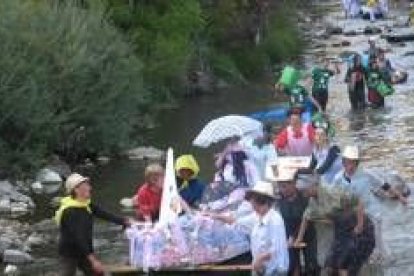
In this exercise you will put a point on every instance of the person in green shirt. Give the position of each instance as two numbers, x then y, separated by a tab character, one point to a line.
320	78
374	77
301	100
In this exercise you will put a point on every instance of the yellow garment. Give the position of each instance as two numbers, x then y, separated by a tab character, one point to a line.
372	3
187	162
69	202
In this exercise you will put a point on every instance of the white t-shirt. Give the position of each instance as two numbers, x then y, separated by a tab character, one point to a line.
268	235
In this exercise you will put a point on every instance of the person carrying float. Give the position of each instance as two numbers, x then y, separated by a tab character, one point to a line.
266	229
292	204
326	159
355	180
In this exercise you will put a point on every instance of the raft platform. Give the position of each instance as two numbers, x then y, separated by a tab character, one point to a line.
199	270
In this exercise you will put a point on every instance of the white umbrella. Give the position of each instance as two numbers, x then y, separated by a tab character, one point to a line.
227	127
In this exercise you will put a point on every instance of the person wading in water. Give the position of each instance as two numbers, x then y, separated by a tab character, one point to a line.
75	220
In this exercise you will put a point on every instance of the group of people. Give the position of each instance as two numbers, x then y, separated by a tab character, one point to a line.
282	215
370	9
377	71
281	222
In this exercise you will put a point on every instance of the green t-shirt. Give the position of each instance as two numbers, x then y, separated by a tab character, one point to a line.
320	77
297	96
373	78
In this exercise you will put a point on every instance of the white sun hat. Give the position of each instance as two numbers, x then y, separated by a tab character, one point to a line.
351	152
263	188
73	181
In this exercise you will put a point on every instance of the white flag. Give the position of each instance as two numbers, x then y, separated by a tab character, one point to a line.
170	200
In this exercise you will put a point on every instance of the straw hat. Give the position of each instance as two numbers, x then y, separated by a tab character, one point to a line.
262	188
73	181
351	152
277	173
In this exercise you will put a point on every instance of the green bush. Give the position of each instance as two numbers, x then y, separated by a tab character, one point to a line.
162	33
282	40
177	36
231	31
64	69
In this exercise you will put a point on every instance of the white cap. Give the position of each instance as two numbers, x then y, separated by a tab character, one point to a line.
372	39
262	188
73	181
351	152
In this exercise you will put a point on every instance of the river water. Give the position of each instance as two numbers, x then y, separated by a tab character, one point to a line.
385	136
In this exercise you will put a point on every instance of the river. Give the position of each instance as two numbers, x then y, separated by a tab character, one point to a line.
385	136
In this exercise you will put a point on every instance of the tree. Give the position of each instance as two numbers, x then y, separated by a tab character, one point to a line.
64	69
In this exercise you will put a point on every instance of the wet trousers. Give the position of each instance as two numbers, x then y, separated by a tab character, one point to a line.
68	267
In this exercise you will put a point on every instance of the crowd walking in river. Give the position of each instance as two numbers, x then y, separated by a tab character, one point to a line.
270	190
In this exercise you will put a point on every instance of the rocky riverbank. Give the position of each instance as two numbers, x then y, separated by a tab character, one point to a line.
27	244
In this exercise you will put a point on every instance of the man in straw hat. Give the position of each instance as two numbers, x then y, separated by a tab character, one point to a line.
292	205
75	220
354	179
265	225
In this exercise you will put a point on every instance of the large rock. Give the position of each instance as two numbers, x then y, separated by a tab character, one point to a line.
19	208
12	256
9	192
35	240
10	270
5	243
127	202
334	30
44	226
372	30
142	153
48	176
5	205
50	180
37	187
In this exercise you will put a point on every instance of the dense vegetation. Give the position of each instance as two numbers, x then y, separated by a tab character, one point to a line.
80	77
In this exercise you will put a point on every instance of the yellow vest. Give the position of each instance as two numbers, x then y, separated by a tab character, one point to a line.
69	202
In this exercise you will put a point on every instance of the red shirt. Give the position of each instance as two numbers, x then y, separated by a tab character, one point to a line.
148	201
281	140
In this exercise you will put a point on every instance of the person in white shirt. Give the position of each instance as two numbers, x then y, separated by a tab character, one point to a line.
260	150
354	179
266	228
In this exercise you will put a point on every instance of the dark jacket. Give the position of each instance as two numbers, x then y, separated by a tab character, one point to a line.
333	153
292	212
191	193
76	230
